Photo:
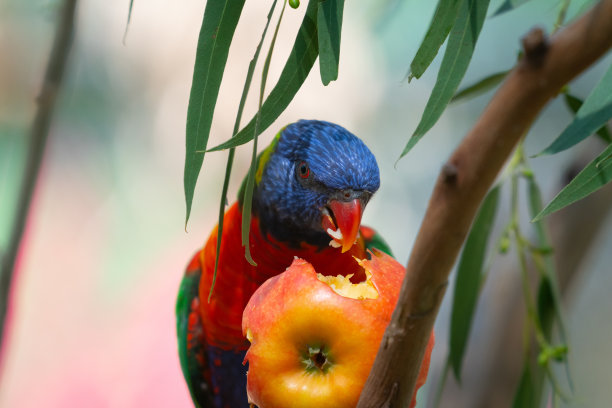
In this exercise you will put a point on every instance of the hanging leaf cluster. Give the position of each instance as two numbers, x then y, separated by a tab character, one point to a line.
317	36
459	22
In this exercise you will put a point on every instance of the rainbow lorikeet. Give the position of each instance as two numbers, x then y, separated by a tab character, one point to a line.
312	183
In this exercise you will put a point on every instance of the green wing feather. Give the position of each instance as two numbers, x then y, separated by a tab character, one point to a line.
373	240
191	350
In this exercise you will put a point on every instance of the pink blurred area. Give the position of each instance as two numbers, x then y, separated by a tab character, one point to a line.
74	343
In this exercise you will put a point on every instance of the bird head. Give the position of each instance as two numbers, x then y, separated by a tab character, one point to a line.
313	183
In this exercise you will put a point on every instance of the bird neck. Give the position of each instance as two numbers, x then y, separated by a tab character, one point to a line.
286	230
273	256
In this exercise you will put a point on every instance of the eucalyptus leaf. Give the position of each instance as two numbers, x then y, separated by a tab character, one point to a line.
459	51
592	115
218	27
469	278
543	241
549	303
480	87
441	24
226	180
250	181
329	28
574	103
232	151
508	5
546	306
129	18
535	206
594	176
525	396
300	62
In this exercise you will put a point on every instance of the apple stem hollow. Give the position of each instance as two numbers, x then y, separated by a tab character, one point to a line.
317	359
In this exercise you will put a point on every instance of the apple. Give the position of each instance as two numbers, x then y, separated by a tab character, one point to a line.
314	338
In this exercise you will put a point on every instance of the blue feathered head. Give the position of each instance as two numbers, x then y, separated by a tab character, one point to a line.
314	182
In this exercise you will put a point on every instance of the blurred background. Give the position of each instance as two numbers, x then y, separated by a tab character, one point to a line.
92	310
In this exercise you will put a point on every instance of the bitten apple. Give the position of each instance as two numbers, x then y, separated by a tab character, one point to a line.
314	338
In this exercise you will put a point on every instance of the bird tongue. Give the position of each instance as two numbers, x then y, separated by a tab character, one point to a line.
347	217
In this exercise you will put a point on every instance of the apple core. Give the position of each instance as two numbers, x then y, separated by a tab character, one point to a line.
317	360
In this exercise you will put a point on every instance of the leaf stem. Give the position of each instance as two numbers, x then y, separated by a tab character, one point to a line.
250	184
561	16
519	168
230	157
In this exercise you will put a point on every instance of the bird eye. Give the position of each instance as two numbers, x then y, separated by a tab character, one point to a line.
303	170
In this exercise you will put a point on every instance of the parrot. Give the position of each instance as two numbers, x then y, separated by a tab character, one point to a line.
312	184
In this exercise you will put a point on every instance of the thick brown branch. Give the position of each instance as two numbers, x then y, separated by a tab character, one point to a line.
539	76
38	137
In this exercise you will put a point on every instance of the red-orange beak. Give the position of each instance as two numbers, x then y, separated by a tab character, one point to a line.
343	224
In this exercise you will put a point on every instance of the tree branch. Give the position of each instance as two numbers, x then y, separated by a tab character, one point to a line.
462	185
38	138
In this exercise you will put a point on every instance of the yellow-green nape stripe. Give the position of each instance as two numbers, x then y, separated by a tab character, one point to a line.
265	156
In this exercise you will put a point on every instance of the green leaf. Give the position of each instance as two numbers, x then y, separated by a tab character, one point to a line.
525	396
250	181
594	176
535	206
480	87
230	157
461	44
228	173
469	278
608	157
220	21
129	18
593	114
508	5
549	296
574	103
441	24
329	27
301	59
550	275
546	306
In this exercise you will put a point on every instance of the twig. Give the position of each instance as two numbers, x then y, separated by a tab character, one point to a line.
546	67
38	138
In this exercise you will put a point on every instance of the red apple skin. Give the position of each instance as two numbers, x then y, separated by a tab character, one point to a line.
294	311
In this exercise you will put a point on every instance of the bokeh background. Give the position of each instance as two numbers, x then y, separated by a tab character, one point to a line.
92	306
